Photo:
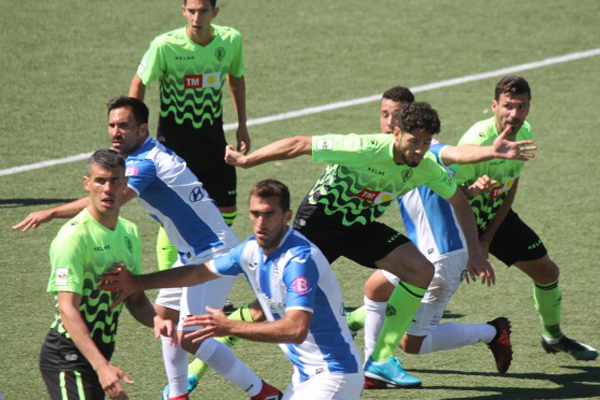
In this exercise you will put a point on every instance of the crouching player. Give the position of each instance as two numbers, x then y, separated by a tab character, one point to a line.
296	288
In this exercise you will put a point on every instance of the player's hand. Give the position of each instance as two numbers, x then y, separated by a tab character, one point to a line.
243	139
119	279
503	147
481	185
215	323
164	327
110	379
233	157
34	220
479	267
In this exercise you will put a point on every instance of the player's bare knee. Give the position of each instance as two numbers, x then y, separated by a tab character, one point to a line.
378	288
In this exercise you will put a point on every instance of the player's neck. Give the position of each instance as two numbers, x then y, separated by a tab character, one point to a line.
107	220
202	38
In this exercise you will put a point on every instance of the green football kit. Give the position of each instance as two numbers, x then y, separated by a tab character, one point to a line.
339	213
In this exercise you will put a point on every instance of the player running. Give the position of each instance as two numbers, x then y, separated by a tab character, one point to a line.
297	290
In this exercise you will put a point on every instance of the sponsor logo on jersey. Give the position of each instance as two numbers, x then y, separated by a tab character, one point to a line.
131	171
376	197
62	276
497	191
210	80
220	53
324	144
71	357
375	171
196	194
301	285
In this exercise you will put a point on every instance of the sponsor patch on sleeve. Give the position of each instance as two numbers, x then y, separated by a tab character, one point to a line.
301	285
324	144
62	277
131	171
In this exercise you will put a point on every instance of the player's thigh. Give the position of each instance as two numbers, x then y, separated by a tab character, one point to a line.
73	385
449	274
407	263
516	241
326	387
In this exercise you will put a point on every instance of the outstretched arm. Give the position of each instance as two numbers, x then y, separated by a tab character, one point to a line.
283	149
123	280
293	328
501	148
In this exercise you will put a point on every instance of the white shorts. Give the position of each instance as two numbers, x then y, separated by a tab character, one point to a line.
449	274
326	386
193	300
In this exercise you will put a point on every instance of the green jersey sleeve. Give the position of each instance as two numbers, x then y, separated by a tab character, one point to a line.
237	63
439	179
67	259
350	150
153	64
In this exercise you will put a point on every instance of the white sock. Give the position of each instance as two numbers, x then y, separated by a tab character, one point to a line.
224	361
175	360
452	335
374	319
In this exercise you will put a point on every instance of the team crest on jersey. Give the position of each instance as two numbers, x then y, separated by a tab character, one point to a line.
62	276
324	144
376	197
301	285
406	174
220	53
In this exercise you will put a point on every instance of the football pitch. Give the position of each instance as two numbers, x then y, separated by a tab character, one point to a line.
62	60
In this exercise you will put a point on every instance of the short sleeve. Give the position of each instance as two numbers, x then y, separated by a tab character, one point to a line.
67	261
153	64
230	263
140	174
440	182
237	63
350	150
301	278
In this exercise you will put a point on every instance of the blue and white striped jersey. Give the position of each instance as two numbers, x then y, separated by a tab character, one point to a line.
297	276
430	221
172	195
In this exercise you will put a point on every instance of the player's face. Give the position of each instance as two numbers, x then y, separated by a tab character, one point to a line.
269	221
199	14
511	109
125	134
410	148
388	118
107	188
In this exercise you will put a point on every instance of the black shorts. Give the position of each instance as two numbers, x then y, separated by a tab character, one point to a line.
515	241
73	385
363	244
204	153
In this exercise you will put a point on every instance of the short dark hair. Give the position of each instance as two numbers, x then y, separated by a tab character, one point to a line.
419	116
512	85
137	106
213	3
272	188
399	94
106	159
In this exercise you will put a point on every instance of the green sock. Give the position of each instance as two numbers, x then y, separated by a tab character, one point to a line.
229	217
199	367
400	311
356	319
166	253
548	304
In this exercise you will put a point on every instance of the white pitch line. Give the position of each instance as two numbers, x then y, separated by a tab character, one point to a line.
350	103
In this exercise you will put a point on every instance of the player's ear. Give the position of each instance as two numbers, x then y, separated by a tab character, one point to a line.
86	182
288	216
144	129
215	12
495	105
396	132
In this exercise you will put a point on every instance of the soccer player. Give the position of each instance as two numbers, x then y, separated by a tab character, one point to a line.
298	292
192	64
75	356
501	231
366	173
433	228
171	193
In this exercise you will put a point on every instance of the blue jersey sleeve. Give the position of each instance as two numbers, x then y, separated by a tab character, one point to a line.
140	174
231	262
301	278
436	149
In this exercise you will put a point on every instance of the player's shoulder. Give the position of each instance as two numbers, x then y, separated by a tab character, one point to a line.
526	132
129	227
227	32
175	36
74	230
480	133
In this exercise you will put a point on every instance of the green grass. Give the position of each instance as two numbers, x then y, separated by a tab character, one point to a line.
61	61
